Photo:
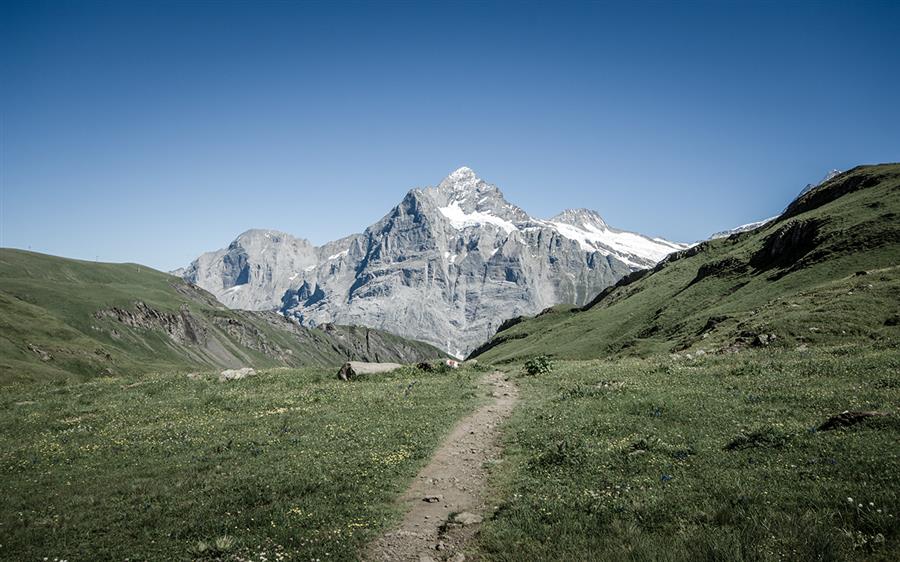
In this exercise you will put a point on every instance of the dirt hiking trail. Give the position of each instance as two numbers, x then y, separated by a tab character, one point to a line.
445	503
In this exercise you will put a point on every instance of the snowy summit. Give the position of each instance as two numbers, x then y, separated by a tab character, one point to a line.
447	266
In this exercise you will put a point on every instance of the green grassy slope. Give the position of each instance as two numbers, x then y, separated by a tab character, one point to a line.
826	272
712	458
291	464
63	318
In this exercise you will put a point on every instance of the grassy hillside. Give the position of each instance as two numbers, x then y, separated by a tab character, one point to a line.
62	318
824	273
287	465
683	419
713	458
643	442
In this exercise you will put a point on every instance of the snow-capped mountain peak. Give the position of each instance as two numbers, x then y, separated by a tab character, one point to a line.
461	181
593	235
811	186
446	265
467	200
581	218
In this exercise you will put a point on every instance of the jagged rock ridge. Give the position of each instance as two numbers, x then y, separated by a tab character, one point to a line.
447	266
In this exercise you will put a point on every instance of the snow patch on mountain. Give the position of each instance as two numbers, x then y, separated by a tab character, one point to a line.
460	219
633	249
811	186
592	233
743	228
338	255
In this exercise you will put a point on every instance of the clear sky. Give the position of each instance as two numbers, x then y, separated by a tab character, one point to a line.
153	131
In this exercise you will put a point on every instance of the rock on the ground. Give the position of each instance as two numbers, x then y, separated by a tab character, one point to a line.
236	374
762	340
467	518
848	418
43	354
353	369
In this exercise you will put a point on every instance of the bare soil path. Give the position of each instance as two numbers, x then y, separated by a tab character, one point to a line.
445	503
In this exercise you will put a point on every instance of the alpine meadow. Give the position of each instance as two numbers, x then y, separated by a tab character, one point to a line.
257	304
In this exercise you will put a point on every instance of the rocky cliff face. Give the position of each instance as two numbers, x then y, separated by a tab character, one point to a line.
253	271
447	266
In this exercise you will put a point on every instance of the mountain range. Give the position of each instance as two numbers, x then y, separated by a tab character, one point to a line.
71	319
824	272
794	279
446	266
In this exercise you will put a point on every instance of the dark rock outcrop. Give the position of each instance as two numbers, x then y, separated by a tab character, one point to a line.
182	327
848	418
787	245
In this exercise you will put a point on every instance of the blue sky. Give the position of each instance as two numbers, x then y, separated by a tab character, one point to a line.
154	131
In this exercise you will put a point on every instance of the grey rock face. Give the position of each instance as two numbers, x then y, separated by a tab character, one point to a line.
182	327
446	266
255	270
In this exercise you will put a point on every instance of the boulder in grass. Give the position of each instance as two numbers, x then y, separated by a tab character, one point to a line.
354	369
847	418
236	374
466	518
